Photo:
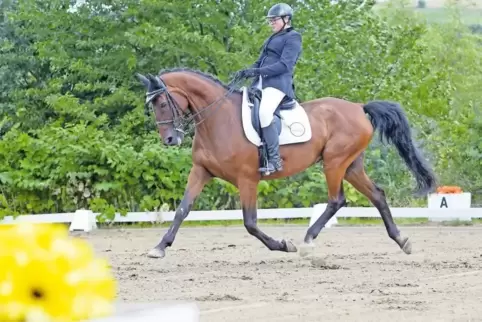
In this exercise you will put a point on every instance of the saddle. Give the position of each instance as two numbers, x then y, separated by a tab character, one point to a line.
254	97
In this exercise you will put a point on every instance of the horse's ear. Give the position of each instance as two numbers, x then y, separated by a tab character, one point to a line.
155	81
143	80
150	78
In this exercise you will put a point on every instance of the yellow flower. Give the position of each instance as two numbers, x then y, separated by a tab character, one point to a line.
45	275
41	235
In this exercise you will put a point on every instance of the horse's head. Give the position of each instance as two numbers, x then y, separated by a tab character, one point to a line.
180	91
169	106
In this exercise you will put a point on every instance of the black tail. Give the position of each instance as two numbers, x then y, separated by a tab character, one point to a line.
389	118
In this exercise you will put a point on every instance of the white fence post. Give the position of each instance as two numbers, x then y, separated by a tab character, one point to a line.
83	220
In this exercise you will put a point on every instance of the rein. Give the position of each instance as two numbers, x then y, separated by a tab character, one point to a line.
179	121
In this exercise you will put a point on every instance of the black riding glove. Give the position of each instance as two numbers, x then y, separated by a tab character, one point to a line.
249	72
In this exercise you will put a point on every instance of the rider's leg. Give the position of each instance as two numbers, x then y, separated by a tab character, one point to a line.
271	98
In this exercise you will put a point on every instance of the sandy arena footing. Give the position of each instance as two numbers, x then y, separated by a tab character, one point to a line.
354	273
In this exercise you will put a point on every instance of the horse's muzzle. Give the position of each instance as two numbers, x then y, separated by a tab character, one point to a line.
173	140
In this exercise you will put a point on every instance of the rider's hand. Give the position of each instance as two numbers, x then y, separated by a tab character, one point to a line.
251	72
246	73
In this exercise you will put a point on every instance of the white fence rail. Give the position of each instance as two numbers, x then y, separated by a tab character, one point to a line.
86	216
440	206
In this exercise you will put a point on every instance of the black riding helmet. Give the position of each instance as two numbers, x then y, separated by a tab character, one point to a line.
280	10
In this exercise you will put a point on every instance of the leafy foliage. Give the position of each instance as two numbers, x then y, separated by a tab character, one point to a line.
75	134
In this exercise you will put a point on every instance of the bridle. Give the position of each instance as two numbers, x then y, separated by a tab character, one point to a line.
179	121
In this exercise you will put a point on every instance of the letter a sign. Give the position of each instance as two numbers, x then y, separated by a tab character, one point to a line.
456	201
443	203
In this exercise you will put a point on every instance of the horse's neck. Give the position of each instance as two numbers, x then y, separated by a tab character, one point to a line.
215	115
213	110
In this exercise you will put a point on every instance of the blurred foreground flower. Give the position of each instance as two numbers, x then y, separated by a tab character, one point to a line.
46	275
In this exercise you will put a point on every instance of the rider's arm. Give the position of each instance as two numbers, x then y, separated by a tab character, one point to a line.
288	58
258	61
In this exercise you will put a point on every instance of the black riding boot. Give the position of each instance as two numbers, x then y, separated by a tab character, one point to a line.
271	139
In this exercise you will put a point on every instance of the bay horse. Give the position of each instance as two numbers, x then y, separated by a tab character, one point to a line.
330	131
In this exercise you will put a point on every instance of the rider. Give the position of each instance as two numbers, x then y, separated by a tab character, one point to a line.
274	69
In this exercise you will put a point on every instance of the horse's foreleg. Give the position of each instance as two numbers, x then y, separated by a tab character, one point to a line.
248	196
198	178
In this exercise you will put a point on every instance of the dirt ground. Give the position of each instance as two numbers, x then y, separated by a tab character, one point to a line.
354	274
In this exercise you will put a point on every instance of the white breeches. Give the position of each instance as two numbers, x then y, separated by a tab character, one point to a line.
269	102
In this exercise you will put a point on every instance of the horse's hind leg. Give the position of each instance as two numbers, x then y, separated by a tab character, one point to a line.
359	179
336	162
248	195
336	200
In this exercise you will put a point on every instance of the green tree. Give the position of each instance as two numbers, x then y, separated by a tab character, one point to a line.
75	132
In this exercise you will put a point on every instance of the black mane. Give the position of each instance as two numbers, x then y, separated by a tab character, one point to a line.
197	72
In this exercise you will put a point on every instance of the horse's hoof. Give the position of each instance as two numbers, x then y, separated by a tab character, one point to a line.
156	253
307	249
407	246
290	247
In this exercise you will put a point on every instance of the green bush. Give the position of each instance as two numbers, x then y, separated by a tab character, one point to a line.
75	134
